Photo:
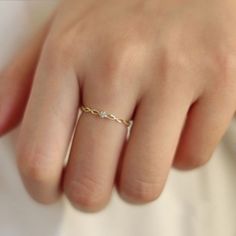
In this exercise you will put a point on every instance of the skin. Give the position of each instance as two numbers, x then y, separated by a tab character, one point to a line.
168	65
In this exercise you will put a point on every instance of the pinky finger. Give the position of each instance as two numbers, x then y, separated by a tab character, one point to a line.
206	124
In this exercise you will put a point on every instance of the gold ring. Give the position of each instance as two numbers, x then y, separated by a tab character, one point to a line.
105	115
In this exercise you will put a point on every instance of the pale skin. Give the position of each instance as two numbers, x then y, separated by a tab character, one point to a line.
168	65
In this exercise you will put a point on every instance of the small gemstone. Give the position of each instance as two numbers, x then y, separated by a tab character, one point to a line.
102	114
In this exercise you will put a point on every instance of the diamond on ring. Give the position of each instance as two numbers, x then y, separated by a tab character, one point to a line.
106	115
102	114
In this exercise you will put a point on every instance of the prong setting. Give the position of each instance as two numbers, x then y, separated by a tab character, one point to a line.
102	114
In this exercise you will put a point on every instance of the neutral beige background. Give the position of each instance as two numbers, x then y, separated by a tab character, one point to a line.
197	203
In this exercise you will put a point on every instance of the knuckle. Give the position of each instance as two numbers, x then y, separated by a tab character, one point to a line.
197	162
123	57
224	64
35	166
190	163
57	50
173	54
119	71
175	58
174	61
86	194
141	191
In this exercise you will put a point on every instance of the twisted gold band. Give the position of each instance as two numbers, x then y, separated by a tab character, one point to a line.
105	115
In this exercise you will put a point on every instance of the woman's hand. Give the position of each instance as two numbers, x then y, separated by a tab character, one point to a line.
169	65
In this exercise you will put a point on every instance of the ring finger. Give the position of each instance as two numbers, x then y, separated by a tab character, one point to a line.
97	144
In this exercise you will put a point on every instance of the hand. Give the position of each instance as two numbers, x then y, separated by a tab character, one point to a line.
168	65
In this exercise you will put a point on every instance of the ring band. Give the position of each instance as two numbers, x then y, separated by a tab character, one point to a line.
105	115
